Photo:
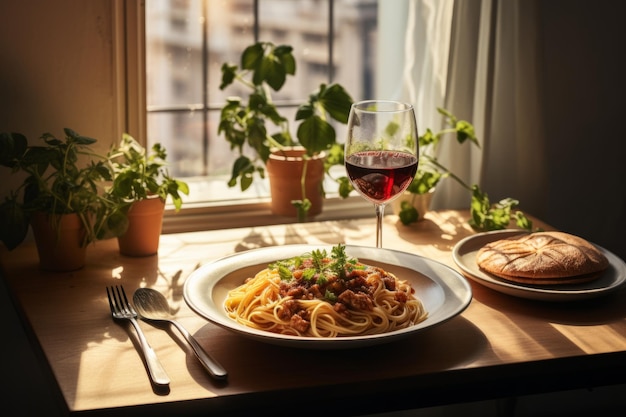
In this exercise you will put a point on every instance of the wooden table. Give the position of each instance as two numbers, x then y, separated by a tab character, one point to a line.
500	346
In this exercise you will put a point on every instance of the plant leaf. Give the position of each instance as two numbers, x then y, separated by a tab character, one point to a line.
408	214
305	111
12	148
424	181
345	187
252	56
239	167
229	73
336	101
285	56
316	134
271	71
465	131
334	156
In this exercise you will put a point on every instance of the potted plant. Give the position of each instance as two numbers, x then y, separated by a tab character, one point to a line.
414	203
140	187
262	138
60	198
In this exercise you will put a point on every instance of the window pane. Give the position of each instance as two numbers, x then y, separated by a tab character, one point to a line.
181	134
173	53
304	26
354	46
187	41
230	27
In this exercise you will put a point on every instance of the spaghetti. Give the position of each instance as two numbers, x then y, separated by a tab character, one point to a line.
318	295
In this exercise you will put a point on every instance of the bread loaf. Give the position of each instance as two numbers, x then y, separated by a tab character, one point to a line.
542	258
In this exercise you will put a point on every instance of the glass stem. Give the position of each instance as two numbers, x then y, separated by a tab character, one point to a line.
380	211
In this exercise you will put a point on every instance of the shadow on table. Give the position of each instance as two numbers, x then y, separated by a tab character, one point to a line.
256	365
428	232
604	309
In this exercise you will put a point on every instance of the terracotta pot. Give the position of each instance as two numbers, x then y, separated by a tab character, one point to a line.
60	241
145	222
284	170
421	202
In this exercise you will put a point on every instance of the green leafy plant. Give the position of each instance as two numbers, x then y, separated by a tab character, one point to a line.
484	215
256	125
62	176
139	174
430	171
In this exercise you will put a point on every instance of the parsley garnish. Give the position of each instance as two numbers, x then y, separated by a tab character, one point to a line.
341	258
308	274
321	279
337	264
339	253
330	296
318	256
284	272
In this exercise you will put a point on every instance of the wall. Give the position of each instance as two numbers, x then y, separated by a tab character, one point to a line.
58	69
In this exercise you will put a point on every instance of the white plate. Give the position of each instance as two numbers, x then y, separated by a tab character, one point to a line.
444	292
464	254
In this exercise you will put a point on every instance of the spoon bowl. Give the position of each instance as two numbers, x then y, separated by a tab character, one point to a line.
153	306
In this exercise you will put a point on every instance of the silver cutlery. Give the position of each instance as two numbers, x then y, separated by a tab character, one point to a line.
153	306
121	309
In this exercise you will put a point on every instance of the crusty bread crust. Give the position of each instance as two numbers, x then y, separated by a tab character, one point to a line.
542	258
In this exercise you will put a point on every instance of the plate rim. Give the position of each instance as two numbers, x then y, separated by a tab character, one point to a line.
253	256
530	292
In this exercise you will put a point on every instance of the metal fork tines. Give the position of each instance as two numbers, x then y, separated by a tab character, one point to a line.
121	309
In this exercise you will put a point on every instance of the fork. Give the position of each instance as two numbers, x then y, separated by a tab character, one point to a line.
121	309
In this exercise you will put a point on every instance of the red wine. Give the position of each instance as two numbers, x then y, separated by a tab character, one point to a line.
381	175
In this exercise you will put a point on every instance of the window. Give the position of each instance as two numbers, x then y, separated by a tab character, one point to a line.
188	40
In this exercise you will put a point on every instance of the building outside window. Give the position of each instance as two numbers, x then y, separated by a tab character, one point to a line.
188	40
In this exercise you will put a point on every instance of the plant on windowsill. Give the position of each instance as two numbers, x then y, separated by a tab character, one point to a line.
484	215
61	188
261	136
413	204
140	186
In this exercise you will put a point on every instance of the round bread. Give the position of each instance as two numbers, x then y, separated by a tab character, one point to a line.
542	258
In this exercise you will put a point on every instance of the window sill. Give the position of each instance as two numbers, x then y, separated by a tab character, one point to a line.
251	208
194	217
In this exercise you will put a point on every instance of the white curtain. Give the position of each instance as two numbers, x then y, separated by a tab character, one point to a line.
478	59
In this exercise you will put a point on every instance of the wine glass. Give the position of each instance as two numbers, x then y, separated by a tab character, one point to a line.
381	152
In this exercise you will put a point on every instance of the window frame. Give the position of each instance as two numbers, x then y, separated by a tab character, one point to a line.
130	67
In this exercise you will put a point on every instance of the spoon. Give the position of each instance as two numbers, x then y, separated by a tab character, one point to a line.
152	306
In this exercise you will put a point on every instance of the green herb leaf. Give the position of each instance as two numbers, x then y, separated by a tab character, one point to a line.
284	272
330	296
317	257
321	279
